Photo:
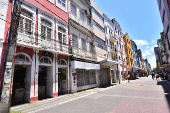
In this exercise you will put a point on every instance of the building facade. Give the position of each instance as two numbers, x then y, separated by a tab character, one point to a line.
42	52
112	49
120	50
164	9
84	67
129	57
135	58
100	43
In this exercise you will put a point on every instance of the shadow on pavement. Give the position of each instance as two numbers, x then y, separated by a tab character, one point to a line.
166	88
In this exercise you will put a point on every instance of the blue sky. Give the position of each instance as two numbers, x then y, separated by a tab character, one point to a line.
140	19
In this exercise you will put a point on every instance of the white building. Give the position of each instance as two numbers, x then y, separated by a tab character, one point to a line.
84	66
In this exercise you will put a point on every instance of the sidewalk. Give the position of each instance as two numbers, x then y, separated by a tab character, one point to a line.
52	102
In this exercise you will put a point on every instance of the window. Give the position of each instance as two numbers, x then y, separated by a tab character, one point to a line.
22	57
99	43
62	62
46	30
83	44
98	26
45	60
91	47
61	4
25	24
106	29
97	14
73	9
163	15
89	21
62	35
74	40
81	15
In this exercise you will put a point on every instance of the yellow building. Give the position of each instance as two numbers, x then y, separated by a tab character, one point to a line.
128	51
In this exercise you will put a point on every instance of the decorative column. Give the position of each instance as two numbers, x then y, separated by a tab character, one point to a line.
55	76
34	77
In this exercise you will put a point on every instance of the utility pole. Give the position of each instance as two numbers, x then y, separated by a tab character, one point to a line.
8	68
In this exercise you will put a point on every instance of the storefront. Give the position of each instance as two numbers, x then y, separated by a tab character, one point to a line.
109	72
83	75
21	80
45	78
133	71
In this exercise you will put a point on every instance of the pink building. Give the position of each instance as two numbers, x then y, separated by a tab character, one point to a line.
42	56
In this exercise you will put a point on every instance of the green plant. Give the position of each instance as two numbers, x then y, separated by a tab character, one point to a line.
73	53
88	57
15	112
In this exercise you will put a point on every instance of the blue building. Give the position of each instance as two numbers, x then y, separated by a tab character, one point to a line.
134	51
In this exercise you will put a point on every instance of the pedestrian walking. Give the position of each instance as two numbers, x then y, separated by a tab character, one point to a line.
153	75
164	75
128	77
157	77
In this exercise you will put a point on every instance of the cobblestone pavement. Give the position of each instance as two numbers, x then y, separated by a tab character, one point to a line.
143	95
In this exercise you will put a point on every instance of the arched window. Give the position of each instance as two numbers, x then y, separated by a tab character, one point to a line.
22	59
45	60
62	62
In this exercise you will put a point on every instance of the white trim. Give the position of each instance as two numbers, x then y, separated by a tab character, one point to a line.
51	1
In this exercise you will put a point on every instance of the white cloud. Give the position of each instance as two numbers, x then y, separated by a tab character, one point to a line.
146	53
147	47
152	48
141	42
152	61
153	41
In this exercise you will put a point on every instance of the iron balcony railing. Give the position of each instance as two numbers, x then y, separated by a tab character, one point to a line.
113	49
80	21
48	44
113	36
83	53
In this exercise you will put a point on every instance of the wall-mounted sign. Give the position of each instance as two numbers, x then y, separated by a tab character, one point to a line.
47	54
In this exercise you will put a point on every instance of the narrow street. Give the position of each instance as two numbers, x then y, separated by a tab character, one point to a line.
143	95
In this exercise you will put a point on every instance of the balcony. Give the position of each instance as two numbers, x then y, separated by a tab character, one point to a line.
113	50
83	53
112	38
44	44
113	58
80	21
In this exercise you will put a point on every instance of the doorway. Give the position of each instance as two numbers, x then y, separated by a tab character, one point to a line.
45	82
62	81
21	85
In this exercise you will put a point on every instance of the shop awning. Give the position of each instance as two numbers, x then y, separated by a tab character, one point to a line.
165	65
134	68
107	62
84	65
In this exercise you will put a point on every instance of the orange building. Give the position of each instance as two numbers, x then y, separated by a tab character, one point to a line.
128	51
